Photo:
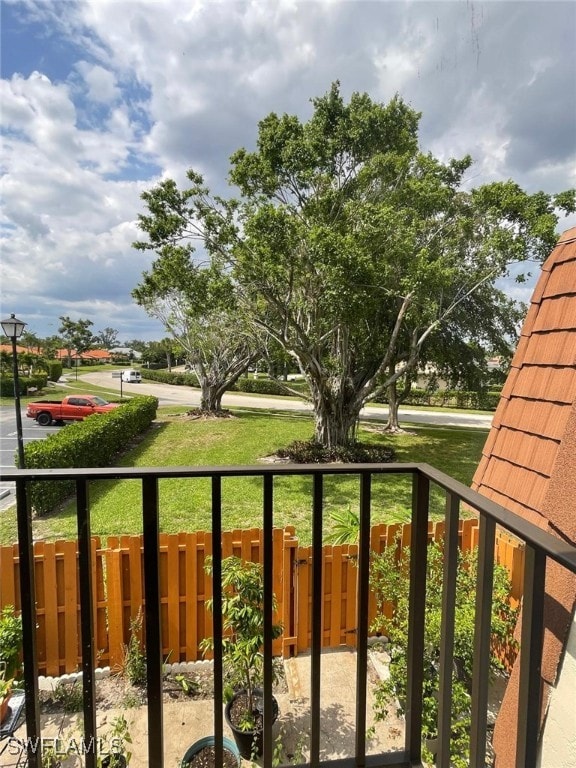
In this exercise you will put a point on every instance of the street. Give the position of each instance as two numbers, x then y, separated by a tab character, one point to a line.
173	395
177	395
9	445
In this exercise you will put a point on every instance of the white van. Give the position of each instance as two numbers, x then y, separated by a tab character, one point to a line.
131	376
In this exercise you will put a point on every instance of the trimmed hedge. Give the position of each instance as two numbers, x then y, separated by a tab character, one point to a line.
166	377
271	386
38	380
449	398
244	384
94	442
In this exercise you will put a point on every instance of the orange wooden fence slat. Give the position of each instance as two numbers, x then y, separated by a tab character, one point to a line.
185	588
115	603
70	606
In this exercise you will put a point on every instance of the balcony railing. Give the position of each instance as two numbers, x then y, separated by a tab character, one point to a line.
539	547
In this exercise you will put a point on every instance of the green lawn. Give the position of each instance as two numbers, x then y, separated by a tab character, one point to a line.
245	439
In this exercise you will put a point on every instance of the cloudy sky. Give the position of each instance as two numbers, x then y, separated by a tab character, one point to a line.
101	99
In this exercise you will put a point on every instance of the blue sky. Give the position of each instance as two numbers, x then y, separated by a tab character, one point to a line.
101	99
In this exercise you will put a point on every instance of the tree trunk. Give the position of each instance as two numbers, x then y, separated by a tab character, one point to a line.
211	397
336	414
393	424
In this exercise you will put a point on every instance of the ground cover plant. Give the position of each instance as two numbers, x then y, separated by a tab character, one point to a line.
246	439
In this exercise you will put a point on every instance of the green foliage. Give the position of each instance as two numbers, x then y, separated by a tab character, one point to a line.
312	452
243	623
187	684
167	377
10	642
93	442
346	527
76	334
118	737
353	250
271	386
69	696
24	383
133	665
449	398
54	369
389	577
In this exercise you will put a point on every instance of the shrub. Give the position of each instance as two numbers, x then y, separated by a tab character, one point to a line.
93	442
37	380
10	641
167	377
311	452
54	369
271	386
389	576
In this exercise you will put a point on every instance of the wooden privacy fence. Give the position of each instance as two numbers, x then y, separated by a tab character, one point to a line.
117	582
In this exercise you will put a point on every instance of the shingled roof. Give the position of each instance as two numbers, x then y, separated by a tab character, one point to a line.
530	424
529	460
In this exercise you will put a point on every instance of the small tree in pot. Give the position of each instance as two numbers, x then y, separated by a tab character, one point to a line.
243	626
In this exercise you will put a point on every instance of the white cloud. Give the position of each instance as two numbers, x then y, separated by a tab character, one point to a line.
125	93
101	84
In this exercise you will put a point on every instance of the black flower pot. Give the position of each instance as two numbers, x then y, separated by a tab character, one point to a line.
250	743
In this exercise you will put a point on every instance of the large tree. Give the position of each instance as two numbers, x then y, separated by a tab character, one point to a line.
484	324
108	337
77	336
351	246
198	306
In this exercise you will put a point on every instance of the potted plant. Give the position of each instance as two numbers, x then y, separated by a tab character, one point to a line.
202	754
118	738
10	642
50	758
243	626
5	693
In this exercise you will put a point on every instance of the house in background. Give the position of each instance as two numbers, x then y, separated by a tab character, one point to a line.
91	357
529	467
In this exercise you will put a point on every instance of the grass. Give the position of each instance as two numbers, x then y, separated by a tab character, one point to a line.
245	439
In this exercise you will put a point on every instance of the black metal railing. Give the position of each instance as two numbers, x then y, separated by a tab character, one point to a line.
539	546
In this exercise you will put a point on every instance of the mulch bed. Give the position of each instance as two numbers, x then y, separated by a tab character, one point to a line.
114	691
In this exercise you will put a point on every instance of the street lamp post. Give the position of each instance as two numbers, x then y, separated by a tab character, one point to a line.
13	328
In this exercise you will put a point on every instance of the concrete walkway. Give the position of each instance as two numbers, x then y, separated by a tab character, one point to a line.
187	721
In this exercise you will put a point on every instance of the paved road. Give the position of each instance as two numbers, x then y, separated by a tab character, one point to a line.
9	445
172	395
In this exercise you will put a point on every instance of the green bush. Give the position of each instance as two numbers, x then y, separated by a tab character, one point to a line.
311	452
94	442
244	384
54	369
37	380
389	578
167	377
265	386
448	398
10	642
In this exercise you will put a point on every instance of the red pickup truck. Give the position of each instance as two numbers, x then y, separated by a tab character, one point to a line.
72	408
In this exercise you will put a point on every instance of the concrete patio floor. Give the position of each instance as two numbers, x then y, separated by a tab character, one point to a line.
186	721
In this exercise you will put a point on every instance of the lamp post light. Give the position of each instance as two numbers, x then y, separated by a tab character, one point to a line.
13	328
